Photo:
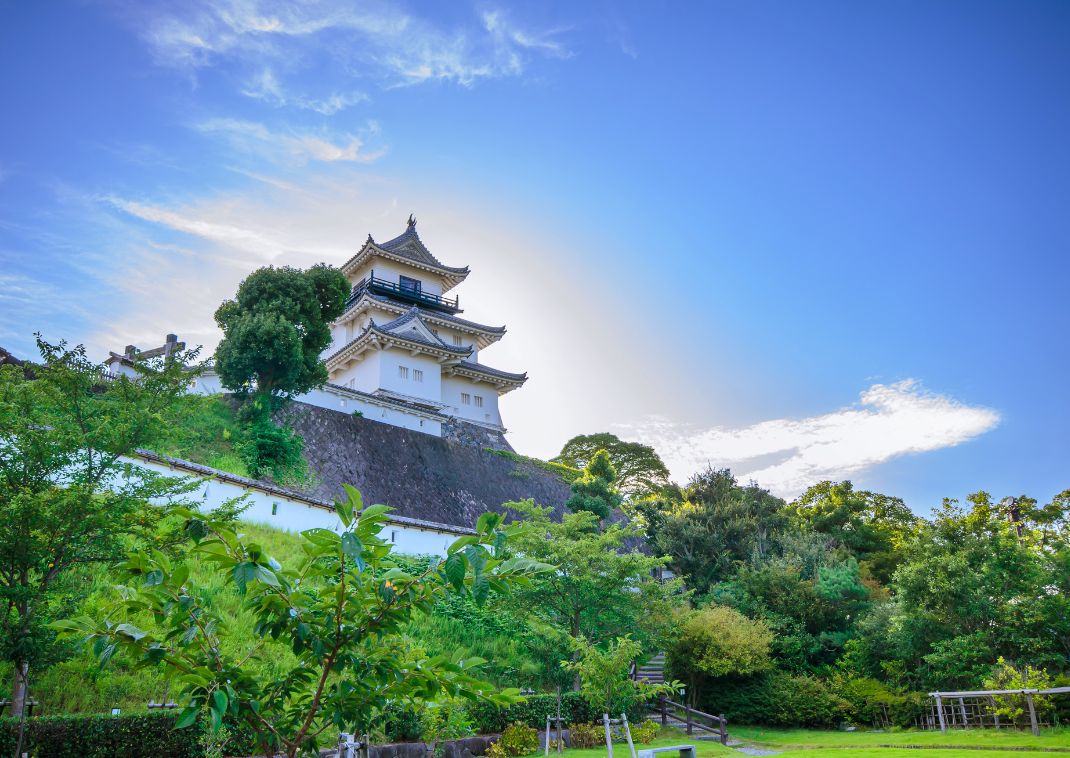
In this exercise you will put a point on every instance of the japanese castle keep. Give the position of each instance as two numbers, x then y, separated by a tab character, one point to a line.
400	338
399	353
406	415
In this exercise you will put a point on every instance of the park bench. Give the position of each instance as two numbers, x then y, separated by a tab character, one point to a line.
684	751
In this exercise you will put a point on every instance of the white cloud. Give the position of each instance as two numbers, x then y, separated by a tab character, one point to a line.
788	455
296	147
267	88
375	40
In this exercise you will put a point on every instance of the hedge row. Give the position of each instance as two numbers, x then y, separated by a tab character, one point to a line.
777	699
533	712
148	735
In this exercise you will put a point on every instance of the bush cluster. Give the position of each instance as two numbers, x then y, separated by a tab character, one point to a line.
777	699
586	735
516	740
152	735
533	712
870	702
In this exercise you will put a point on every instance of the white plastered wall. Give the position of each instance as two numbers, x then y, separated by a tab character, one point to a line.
453	389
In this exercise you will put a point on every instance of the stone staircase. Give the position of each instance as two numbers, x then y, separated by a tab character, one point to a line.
651	671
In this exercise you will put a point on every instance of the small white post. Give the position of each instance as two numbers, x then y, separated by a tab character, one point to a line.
609	736
546	750
628	733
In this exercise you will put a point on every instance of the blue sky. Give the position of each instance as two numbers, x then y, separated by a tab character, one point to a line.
804	240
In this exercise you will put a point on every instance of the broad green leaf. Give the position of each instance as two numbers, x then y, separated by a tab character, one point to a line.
454	570
267	576
351	545
188	717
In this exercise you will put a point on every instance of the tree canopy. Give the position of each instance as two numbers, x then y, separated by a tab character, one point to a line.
639	470
593	490
67	497
276	328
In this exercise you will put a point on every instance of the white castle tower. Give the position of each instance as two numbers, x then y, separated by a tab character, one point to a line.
400	340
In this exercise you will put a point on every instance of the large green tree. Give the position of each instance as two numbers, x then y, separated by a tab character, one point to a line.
603	586
593	490
273	334
713	526
985	581
67	495
276	327
871	526
640	472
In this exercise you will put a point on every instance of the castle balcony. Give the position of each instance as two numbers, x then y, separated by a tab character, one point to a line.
405	293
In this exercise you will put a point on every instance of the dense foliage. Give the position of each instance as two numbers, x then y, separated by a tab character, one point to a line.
340	613
102	736
603	586
274	332
67	497
867	604
639	471
276	327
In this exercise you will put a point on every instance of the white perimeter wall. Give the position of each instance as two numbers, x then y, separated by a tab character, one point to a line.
296	516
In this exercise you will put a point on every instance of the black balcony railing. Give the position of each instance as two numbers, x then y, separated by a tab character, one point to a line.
406	294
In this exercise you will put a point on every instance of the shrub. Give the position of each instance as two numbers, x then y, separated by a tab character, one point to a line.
137	735
586	735
516	740
533	712
448	721
777	699
870	702
645	732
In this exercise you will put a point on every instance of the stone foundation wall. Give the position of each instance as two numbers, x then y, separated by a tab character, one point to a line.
474	435
418	475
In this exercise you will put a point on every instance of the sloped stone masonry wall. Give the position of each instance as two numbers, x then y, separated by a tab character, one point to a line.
418	475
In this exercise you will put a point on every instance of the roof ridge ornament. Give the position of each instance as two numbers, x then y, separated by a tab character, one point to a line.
412	221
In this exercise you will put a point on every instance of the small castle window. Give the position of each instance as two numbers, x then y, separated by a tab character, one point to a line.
479	401
409	284
457	340
466	399
403	372
274	509
417	375
393	535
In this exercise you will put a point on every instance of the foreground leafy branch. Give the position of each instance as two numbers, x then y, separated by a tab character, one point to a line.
341	613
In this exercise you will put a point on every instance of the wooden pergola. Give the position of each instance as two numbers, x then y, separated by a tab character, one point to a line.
959	714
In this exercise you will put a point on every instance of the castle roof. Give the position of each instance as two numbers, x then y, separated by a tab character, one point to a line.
407	331
487	334
504	381
407	247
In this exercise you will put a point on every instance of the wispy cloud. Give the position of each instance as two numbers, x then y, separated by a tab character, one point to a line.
296	147
788	455
266	87
377	41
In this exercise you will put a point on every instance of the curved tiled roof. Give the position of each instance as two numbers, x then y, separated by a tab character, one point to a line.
387	330
436	315
479	368
409	245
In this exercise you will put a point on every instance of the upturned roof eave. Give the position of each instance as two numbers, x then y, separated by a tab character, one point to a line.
374	335
488	334
450	275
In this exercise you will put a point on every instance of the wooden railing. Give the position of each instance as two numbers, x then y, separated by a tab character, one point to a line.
692	719
408	294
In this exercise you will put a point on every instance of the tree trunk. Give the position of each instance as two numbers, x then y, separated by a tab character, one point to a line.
18	689
576	653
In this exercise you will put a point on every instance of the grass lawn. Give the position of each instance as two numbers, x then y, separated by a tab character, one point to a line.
974	739
806	743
